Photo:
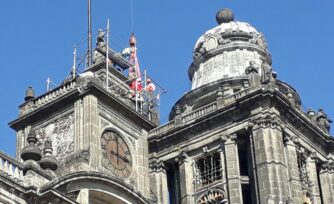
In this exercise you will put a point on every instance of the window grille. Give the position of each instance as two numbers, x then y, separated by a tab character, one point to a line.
208	169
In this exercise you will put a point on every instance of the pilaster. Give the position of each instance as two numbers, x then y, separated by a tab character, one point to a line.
186	179
293	170
91	129
158	182
327	181
270	159
222	163
233	171
313	177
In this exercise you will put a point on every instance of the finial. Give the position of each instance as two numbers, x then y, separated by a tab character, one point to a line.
31	152
48	162
30	94
224	16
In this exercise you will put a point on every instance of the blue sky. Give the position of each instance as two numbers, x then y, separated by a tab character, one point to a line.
37	39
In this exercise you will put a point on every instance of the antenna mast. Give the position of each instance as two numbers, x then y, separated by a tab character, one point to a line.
107	56
89	51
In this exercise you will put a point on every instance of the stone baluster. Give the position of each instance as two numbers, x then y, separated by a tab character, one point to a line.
1	165
10	169
5	167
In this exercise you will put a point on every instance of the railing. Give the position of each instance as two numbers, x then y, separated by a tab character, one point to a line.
47	98
199	112
232	98
163	128
202	111
11	167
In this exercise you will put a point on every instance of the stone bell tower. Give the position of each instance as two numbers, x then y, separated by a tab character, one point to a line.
87	138
240	135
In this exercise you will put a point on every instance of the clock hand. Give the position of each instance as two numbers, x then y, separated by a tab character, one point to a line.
120	157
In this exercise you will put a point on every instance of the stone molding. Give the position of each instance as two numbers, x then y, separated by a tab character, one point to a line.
157	166
268	121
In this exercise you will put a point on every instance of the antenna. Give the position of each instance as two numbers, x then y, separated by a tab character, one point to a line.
89	51
74	68
131	15
107	55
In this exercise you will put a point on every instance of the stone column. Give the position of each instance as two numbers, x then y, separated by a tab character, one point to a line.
293	171
270	159
327	181
186	179
233	171
311	167
158	182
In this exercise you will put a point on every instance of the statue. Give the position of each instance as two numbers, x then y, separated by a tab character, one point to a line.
200	50
311	114
253	74
323	121
267	74
97	56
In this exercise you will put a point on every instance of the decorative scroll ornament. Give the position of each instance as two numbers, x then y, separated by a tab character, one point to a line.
215	195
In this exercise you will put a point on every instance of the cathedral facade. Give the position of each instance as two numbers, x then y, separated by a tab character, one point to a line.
238	136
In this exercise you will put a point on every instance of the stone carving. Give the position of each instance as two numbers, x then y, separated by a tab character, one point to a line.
266	72
97	56
260	40
215	195
290	138
268	121
200	50
253	73
323	121
61	133
311	114
157	165
79	156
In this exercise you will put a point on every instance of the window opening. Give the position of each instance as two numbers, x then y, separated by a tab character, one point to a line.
208	169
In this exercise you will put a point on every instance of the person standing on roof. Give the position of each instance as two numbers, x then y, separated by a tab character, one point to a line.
150	87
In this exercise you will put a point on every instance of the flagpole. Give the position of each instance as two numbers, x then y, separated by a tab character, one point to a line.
107	55
89	51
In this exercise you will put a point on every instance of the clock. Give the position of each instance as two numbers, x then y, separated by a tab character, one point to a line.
116	155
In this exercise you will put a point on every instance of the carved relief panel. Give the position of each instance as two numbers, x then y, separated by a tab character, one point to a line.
61	133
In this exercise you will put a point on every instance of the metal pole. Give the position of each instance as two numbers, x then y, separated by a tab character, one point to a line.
48	81
74	62
89	51
107	56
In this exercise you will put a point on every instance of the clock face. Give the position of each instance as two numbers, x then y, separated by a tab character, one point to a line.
116	154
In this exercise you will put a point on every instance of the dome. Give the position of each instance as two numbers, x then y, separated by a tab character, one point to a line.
226	50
